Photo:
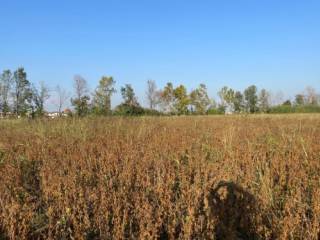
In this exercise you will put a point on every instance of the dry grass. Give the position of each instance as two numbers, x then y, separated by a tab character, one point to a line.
234	177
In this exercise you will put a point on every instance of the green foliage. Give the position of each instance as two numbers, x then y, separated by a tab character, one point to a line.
167	98
227	96
181	100
250	95
81	101
199	100
125	109
39	97
299	99
81	105
152	112
129	96
287	103
175	100
5	86
238	102
216	111
130	106
295	109
22	92
19	96
102	96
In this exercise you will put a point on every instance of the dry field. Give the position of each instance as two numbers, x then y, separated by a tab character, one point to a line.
223	177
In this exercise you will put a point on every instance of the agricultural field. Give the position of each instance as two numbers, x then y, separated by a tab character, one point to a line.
193	177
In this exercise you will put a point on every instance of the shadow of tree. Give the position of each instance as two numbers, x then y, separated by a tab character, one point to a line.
239	215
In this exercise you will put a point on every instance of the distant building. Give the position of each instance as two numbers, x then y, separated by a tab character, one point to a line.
67	111
53	115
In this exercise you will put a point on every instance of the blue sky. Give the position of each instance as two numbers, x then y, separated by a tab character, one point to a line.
272	44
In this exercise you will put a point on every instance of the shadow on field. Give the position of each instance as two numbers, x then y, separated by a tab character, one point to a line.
237	212
2	235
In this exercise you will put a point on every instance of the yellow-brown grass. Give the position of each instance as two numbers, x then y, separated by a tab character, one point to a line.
234	177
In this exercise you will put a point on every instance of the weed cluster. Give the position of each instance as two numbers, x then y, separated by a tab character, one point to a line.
233	177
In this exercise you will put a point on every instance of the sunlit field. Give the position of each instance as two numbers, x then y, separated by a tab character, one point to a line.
214	177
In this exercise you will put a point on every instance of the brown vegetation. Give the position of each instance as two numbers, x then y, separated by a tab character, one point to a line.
234	177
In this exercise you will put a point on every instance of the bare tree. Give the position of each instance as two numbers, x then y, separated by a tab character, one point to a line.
152	94
276	98
311	96
80	86
81	100
264	100
5	87
40	96
62	97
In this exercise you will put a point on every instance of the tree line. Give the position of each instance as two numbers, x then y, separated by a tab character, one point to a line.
20	97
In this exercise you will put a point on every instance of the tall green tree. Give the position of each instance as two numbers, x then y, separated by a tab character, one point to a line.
5	86
199	99
129	96
182	100
82	98
167	98
22	92
226	98
81	105
238	102
130	105
251	98
102	95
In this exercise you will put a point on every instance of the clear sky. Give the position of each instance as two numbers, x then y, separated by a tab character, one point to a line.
272	44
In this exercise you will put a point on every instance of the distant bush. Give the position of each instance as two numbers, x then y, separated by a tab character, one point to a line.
129	110
281	109
152	112
215	111
295	109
